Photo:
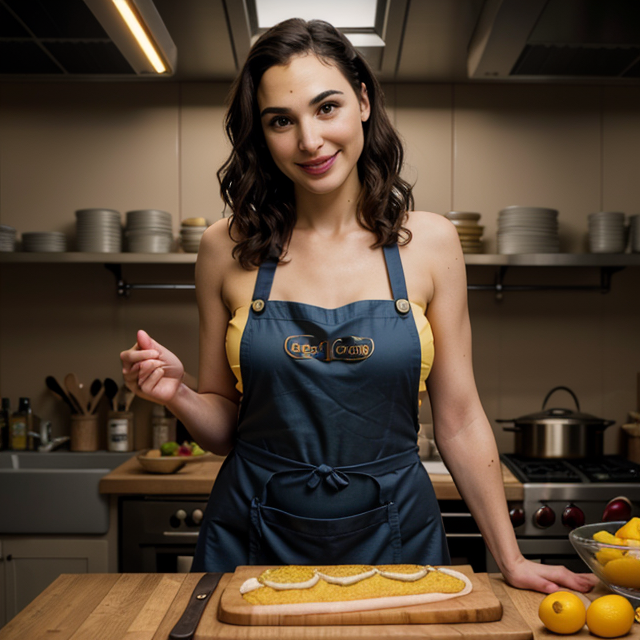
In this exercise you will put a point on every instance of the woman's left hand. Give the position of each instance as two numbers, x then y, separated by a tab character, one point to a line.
547	578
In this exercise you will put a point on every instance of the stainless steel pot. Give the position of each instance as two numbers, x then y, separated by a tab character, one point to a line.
559	433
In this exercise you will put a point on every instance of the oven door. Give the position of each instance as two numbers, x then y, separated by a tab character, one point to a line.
159	534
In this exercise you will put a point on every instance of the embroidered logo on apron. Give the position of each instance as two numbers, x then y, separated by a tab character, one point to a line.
349	348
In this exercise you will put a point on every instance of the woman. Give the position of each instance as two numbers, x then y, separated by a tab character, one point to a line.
322	302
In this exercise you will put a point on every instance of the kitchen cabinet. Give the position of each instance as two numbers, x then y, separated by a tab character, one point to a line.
28	565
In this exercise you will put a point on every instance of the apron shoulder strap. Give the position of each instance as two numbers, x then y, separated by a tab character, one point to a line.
396	273
264	280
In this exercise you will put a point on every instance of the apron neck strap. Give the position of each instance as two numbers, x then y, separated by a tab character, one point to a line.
396	273
264	280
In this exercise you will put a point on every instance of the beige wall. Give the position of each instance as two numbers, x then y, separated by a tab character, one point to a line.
476	147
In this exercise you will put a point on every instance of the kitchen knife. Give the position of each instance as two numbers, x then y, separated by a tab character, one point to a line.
185	628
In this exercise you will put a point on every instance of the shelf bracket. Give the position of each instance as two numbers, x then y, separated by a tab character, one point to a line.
123	288
500	288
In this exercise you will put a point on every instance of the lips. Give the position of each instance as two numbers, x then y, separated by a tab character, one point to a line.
319	165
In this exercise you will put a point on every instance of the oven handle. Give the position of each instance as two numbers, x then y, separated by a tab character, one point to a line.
463	535
181	534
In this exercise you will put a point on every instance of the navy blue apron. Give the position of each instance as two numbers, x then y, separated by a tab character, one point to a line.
325	468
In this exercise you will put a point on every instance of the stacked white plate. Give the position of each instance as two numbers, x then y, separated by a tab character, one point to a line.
634	233
607	232
98	231
7	238
44	242
149	231
469	231
528	230
191	231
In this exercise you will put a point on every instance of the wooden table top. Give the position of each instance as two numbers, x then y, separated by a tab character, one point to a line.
197	479
146	606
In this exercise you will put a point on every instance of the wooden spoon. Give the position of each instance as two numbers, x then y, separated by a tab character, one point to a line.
56	387
97	396
111	391
75	392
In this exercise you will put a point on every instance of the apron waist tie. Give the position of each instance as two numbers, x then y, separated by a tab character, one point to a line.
335	476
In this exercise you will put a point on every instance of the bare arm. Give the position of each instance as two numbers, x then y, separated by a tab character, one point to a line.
154	373
463	433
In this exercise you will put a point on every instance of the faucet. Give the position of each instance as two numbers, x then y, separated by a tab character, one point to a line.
47	443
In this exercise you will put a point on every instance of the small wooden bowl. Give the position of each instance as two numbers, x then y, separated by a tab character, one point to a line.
154	462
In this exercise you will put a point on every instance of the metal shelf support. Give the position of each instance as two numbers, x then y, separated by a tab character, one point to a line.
123	288
500	288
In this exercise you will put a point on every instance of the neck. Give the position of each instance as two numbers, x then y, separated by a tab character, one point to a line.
328	213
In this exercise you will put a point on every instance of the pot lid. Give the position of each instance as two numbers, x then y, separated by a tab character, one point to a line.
567	416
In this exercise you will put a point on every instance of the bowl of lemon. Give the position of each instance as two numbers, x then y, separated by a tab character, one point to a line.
612	551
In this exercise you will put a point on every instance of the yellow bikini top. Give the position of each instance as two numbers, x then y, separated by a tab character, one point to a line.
239	320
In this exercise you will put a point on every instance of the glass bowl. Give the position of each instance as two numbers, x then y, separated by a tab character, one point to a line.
618	566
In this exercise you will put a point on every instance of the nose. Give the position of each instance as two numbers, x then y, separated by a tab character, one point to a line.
310	137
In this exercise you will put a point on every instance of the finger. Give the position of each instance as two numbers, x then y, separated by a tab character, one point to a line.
145	341
138	356
152	381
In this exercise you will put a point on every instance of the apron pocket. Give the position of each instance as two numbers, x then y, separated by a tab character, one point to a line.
278	537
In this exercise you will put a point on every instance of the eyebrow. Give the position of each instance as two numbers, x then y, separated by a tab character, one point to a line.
284	110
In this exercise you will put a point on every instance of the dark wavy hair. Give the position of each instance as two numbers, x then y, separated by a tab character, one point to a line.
259	195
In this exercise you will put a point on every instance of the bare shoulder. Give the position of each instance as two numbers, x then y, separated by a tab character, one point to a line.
432	230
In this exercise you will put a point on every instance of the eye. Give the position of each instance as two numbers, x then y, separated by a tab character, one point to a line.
279	122
328	108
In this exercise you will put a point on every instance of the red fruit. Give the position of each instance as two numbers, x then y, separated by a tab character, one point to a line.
184	450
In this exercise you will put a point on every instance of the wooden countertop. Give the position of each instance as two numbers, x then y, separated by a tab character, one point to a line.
143	606
197	479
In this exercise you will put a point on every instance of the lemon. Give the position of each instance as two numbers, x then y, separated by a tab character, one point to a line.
623	572
606	555
562	612
630	530
607	538
610	616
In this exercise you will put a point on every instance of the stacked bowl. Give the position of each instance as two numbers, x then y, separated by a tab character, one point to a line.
469	231
528	230
607	232
7	238
44	242
149	231
191	231
98	231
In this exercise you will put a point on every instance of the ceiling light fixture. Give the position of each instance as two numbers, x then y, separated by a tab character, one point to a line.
139	33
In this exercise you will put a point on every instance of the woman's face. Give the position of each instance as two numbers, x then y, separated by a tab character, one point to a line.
312	122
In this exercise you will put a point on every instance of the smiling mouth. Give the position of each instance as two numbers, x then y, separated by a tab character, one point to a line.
318	166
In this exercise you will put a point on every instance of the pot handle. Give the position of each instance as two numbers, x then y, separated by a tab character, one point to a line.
513	429
573	395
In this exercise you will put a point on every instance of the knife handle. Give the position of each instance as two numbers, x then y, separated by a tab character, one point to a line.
185	628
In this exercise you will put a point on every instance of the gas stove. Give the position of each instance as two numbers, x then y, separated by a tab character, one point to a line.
560	495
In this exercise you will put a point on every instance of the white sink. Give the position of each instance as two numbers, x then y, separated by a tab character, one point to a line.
57	492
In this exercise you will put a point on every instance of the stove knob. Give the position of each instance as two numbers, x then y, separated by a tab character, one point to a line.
572	516
544	517
180	514
197	516
617	509
517	517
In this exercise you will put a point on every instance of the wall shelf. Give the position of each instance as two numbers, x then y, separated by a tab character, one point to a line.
608	264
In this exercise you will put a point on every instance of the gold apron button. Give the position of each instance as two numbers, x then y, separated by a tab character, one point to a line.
258	305
403	305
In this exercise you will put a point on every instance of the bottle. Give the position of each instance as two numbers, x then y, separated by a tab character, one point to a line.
5	415
163	426
20	424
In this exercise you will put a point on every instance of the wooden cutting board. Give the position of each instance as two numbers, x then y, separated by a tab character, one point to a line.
481	605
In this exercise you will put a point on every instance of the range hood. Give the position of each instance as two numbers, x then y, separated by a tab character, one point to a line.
556	40
80	38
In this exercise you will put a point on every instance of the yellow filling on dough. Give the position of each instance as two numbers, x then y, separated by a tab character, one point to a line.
376	586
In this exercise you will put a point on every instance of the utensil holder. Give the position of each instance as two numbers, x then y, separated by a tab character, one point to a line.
120	431
84	433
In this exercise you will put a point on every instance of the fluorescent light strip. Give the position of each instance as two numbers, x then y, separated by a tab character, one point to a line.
140	35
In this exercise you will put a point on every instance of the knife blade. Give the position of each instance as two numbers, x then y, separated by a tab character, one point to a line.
186	627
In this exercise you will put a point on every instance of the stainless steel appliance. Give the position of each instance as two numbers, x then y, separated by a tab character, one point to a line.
560	495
